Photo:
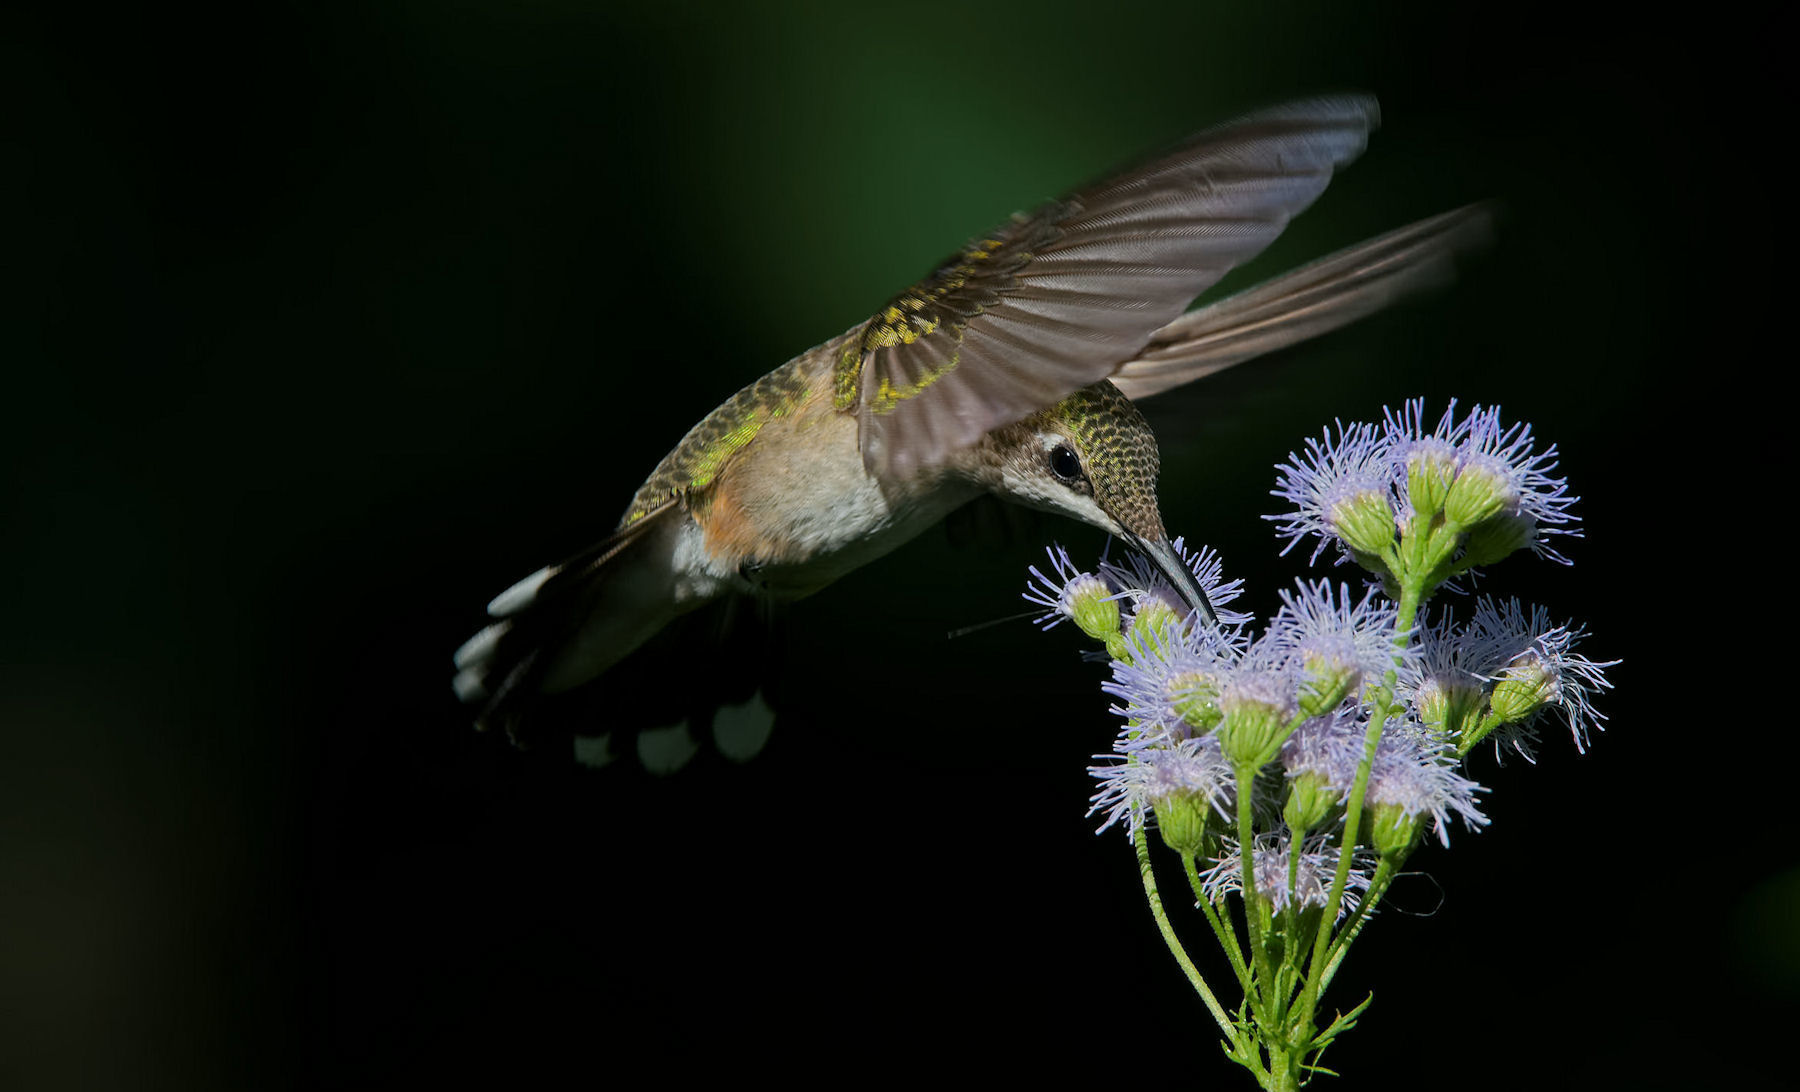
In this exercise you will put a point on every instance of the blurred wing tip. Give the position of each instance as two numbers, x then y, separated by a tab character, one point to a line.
1475	222
1312	300
1348	105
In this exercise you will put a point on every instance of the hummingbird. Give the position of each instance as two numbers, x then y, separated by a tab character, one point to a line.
1012	369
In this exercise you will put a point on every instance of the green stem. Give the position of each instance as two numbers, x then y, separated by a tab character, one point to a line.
1264	999
1168	931
1227	939
1411	594
1436	548
1284	1075
1291	952
1340	946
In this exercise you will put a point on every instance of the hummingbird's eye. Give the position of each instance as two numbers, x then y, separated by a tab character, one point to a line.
1064	464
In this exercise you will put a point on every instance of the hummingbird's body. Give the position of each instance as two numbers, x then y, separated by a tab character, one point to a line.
1006	371
747	523
754	469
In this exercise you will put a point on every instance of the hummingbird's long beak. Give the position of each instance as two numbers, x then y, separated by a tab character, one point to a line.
1179	576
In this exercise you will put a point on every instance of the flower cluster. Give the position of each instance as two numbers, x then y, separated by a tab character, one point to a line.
1205	709
1499	673
1442	502
1298	768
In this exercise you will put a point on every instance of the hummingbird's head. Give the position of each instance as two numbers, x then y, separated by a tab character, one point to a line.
1091	456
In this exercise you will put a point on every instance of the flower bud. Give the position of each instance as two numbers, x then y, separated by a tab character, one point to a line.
1152	622
1481	491
1093	607
1445	704
1310	800
1363	519
1393	832
1527	685
1430	468
1195	695
1257	710
1181	817
1325	681
1493	539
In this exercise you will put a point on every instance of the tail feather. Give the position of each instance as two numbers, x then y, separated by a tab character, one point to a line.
505	667
1334	291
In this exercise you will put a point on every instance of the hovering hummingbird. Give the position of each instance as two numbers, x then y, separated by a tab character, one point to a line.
1011	369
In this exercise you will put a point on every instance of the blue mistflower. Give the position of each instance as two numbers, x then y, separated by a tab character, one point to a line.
1473	476
1496	473
1328	748
1270	864
1132	785
1533	667
1170	685
1441	681
1335	642
1334	739
1058	594
1260	699
1415	770
1257	685
1334	482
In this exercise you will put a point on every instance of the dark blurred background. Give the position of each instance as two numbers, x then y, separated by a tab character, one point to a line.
332	323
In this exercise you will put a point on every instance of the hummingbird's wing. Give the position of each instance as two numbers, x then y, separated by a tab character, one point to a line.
1334	291
1055	300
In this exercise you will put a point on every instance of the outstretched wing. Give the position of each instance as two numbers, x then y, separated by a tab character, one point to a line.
1056	300
1315	299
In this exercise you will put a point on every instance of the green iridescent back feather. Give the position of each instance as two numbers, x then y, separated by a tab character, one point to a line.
704	451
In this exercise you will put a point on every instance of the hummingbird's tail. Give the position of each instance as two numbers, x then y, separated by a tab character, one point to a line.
563	625
597	647
1315	299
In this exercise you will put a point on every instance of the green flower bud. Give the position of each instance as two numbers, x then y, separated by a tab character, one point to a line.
1394	833
1310	800
1182	818
1195	695
1326	683
1429	472
1481	492
1364	520
1256	721
1446	705
1494	539
1093	608
1151	620
1527	685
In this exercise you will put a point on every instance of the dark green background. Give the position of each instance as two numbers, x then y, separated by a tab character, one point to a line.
333	323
